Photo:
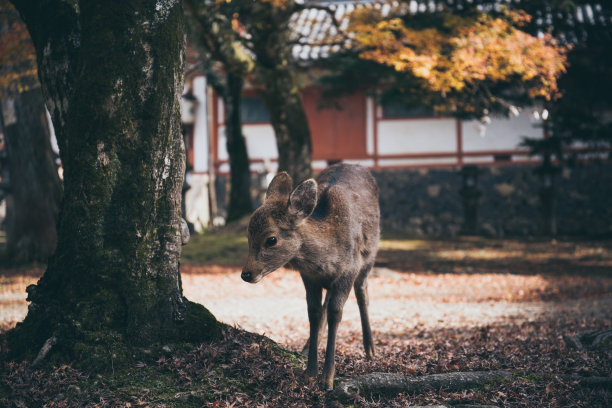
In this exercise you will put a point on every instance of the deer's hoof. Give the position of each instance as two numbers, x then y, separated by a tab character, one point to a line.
310	374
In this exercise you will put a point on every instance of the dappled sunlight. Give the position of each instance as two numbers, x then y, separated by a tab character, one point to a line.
483	288
399	302
480	255
13	307
406	245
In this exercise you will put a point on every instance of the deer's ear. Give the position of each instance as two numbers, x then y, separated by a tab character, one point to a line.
280	187
303	200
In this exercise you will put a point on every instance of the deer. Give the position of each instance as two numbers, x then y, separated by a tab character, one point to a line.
328	230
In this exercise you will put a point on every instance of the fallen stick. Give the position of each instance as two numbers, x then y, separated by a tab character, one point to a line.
45	349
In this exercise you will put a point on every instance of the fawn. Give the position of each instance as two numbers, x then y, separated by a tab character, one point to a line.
328	230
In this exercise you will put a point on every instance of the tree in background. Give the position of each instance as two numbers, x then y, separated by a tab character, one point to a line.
225	67
580	114
33	190
112	76
467	62
256	36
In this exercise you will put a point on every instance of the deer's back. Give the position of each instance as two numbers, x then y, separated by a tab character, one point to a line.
348	202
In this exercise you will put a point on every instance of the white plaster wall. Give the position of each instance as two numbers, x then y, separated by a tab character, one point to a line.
442	161
501	134
417	136
200	135
54	145
370	109
196	201
260	140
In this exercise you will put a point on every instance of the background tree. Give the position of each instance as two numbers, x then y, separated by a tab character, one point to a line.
111	75
468	62
225	66
461	59
33	189
579	115
258	37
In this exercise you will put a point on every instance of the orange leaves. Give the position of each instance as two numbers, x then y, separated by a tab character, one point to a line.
17	57
462	51
493	49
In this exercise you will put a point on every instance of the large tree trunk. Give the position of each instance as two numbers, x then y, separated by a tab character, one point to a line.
111	75
34	187
240	203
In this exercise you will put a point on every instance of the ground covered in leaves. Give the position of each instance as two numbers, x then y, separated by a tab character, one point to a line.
436	307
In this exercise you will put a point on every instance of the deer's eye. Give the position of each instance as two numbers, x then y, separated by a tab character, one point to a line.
271	241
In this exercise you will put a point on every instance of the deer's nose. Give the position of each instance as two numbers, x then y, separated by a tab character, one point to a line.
247	276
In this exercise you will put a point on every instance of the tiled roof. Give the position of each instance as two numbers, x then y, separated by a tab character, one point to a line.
315	26
317	38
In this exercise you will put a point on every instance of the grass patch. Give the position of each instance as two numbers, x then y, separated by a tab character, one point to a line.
219	247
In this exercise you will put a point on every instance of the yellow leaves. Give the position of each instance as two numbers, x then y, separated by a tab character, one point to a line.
391	42
463	51
18	70
282	4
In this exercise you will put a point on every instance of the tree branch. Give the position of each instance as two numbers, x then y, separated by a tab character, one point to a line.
391	383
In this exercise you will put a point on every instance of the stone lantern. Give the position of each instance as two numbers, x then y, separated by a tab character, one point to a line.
548	191
470	195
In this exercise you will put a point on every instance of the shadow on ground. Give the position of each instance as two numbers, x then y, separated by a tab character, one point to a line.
480	255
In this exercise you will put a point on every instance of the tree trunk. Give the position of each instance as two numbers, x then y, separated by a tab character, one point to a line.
240	203
282	98
112	76
275	71
35	190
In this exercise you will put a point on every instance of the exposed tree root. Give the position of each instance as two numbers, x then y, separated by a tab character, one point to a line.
44	350
389	383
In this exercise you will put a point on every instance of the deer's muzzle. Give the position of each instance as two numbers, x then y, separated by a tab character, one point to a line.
247	276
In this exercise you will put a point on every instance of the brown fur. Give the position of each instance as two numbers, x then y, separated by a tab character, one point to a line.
328	230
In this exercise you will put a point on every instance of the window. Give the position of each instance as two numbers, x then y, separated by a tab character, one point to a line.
398	110
253	110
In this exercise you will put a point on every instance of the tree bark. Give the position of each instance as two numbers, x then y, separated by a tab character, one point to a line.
111	76
34	187
282	98
240	203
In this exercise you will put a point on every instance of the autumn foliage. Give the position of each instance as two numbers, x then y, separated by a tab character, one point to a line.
461	52
17	57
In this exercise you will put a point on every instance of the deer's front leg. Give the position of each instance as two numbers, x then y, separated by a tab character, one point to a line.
337	299
322	322
315	312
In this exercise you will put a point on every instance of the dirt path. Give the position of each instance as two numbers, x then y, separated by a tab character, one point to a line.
399	302
423	323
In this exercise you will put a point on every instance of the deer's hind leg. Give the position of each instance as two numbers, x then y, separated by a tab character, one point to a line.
361	293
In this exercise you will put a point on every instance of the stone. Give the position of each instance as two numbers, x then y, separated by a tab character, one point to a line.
504	189
434	190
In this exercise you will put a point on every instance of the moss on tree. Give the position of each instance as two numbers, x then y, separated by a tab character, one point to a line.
113	284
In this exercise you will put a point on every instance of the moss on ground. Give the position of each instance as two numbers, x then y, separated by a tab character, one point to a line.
219	247
171	375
